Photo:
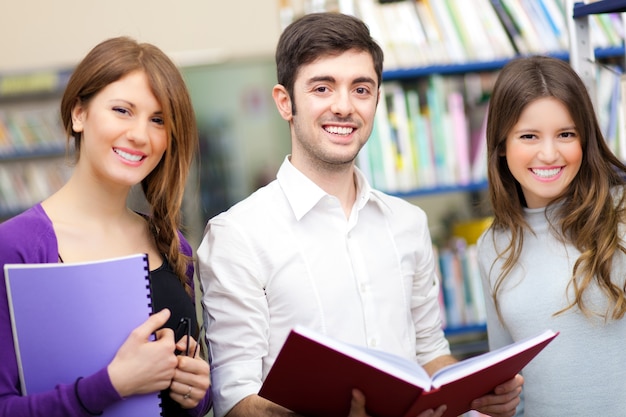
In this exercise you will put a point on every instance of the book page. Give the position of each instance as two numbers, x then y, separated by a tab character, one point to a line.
400	363
472	365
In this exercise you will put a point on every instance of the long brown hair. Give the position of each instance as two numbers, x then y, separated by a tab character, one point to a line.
164	187
588	214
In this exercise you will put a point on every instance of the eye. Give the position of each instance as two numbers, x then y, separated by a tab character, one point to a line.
121	110
528	136
362	90
158	120
321	89
568	135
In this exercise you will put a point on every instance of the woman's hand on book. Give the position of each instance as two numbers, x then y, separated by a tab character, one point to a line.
504	401
142	366
357	408
191	378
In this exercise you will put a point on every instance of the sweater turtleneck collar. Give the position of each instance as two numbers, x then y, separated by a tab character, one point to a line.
537	218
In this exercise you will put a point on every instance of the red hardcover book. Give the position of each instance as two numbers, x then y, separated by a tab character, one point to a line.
314	375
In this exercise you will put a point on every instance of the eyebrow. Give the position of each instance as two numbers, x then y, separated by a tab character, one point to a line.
358	80
534	130
131	104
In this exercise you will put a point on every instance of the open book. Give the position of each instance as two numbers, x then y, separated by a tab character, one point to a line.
314	375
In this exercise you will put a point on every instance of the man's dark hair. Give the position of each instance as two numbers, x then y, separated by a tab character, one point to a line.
318	34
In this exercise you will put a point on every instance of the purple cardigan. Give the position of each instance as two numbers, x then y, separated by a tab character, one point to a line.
30	238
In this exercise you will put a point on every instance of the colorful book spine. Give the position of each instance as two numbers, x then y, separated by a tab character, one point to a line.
460	136
511	27
422	142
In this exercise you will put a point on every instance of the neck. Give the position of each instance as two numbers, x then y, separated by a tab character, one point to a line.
81	199
339	182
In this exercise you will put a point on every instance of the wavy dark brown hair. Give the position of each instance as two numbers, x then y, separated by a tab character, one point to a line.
164	187
588	214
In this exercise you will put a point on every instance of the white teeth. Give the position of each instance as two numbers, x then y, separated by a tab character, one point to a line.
546	173
339	130
128	156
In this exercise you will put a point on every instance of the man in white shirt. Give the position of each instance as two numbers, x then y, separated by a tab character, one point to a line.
317	246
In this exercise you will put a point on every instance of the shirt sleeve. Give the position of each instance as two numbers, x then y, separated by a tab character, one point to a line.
236	313
425	307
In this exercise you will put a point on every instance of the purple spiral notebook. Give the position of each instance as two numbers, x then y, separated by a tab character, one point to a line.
69	320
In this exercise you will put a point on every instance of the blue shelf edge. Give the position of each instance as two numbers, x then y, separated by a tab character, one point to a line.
421	192
605	6
478	66
51	150
466	329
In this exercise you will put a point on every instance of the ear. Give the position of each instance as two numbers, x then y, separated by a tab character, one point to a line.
502	149
283	102
79	113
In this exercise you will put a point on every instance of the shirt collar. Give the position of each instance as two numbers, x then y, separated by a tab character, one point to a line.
365	193
303	194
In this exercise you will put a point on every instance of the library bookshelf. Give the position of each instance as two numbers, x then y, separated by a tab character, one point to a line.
33	160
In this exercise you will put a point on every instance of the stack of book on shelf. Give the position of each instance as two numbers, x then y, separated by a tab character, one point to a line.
419	33
31	130
429	134
25	183
611	107
32	139
461	297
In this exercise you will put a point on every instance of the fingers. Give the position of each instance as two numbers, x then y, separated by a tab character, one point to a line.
190	382
357	406
181	346
511	385
142	365
188	396
192	371
152	324
434	413
498	406
504	401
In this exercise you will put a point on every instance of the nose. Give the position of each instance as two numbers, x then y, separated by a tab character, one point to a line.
549	151
342	103
138	131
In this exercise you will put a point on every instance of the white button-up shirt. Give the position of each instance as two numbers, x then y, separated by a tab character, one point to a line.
287	255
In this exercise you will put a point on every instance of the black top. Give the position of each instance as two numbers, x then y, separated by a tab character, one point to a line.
169	292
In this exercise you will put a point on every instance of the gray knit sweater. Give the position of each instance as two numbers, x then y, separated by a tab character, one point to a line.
583	371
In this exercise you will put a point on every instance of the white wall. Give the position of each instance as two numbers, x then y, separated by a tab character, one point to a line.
42	34
225	47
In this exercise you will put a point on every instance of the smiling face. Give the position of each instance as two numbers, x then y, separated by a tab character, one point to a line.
543	151
335	97
123	134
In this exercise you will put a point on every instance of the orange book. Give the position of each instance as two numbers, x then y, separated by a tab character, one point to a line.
314	375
